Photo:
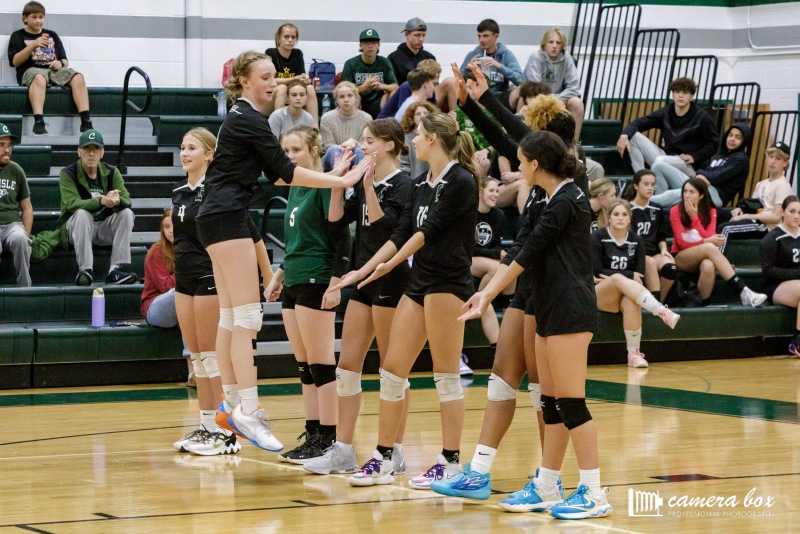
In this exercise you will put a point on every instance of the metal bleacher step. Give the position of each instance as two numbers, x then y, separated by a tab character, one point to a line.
284	348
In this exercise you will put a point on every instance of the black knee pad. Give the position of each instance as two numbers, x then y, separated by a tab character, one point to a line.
305	373
573	412
549	412
668	271
323	374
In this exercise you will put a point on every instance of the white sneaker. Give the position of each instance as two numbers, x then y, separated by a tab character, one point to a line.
337	459
398	460
191	437
464	369
751	298
669	317
254	429
636	359
376	471
441	470
215	443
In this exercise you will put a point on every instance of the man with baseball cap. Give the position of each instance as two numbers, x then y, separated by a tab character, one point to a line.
409	54
96	209
16	211
372	74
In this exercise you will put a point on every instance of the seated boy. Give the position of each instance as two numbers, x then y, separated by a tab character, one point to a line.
38	55
421	84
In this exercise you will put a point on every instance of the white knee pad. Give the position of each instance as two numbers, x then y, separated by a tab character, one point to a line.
408	384
348	383
226	318
197	365
249	316
535	391
393	388
209	360
499	390
448	385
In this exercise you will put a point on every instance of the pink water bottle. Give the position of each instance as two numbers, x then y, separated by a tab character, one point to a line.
98	308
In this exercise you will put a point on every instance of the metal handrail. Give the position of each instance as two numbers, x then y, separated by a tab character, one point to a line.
265	233
126	103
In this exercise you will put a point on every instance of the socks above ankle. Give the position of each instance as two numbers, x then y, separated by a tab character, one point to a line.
647	301
231	392
38	119
452	457
633	339
249	398
483	459
591	477
548	478
386	452
736	283
207	420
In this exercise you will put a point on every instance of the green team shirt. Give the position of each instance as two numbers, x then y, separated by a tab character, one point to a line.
13	189
356	71
466	125
309	246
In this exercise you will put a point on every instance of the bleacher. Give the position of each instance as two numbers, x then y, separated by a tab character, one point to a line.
45	337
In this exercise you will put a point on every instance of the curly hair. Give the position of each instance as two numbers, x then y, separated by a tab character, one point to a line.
408	117
542	110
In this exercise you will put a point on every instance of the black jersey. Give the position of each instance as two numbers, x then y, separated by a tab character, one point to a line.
558	252
610	256
290	67
191	259
246	147
489	233
780	256
394	193
445	211
534	206
648	223
593	224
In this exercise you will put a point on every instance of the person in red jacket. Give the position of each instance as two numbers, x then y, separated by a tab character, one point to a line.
158	296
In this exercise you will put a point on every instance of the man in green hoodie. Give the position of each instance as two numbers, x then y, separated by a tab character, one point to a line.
96	209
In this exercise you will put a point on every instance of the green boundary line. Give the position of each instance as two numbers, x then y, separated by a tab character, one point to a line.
656	397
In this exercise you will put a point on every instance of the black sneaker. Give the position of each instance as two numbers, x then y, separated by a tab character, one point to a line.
119	278
308	450
86	126
84	278
39	128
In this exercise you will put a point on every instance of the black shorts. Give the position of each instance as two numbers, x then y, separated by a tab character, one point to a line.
306	295
460	291
520	298
385	292
769	290
203	286
227	226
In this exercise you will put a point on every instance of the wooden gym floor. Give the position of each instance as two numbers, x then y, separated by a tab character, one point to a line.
86	460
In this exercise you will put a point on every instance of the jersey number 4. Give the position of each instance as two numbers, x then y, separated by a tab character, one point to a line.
181	212
619	263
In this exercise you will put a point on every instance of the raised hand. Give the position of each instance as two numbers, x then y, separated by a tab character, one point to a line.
342	161
480	85
461	89
366	165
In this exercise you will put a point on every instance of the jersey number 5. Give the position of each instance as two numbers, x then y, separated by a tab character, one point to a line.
291	217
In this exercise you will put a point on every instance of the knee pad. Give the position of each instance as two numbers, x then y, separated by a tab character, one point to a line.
549	411
248	316
669	271
393	388
305	373
535	391
348	383
199	369
323	373
573	412
210	364
499	390
408	384
448	385
226	318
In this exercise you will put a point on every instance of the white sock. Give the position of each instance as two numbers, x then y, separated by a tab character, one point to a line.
483	459
647	301
535	391
548	478
249	398
112	267
231	393
346	446
591	477
207	420
397	448
633	339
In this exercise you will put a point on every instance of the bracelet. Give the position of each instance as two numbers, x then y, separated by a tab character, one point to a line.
62	62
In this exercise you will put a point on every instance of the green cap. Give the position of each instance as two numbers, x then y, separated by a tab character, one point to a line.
5	132
369	35
90	137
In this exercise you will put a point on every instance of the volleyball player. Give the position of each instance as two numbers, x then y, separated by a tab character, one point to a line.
246	147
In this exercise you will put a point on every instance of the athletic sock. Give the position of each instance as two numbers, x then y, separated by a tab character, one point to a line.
347	447
386	452
647	301
207	420
38	119
231	392
736	283
398	447
633	339
591	477
312	427
483	459
452	457
548	478
85	118
327	434
249	398
535	391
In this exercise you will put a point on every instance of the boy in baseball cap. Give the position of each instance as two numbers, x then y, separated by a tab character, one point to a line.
372	74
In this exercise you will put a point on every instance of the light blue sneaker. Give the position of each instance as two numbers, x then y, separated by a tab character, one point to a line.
468	484
580	505
529	487
533	499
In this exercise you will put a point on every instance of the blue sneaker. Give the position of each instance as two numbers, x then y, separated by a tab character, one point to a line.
529	487
469	484
794	346
580	505
533	499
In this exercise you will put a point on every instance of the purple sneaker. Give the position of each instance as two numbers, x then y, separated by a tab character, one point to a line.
375	472
441	470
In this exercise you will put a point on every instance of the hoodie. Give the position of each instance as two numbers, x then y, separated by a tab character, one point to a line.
561	75
498	77
404	61
729	170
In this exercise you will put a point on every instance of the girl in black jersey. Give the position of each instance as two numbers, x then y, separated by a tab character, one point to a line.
438	228
647	220
618	255
290	66
780	263
375	206
601	191
245	148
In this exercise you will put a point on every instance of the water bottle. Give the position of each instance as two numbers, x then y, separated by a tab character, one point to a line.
222	108
98	308
326	104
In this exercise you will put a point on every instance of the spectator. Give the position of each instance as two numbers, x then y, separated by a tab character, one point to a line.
601	192
292	114
409	54
95	206
499	64
290	66
16	211
429	66
688	134
528	91
158	295
343	127
411	119
421	84
372	74
39	57
553	65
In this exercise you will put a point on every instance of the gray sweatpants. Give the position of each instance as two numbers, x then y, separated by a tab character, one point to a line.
644	151
13	237
115	231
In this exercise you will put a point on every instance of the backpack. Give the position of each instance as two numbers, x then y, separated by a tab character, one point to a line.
325	71
227	70
684	294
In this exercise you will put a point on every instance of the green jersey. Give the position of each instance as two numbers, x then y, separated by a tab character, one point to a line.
466	125
356	71
310	248
13	189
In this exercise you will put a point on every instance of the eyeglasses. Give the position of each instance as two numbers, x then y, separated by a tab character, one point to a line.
5	146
